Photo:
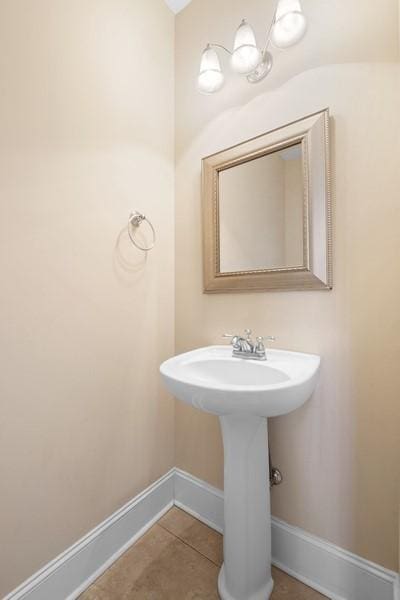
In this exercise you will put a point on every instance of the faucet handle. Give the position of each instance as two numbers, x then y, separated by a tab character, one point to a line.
260	348
233	338
247	333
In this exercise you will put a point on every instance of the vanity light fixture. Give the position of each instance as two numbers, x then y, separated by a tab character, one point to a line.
288	27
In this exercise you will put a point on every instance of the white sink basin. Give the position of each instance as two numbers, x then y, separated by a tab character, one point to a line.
243	393
212	380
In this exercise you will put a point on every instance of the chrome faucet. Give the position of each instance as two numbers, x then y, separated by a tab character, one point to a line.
245	347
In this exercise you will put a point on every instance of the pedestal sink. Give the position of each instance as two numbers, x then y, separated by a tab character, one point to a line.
243	393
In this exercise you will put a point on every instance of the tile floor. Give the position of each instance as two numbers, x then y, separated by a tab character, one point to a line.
178	559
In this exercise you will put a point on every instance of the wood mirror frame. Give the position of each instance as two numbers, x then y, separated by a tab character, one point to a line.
316	271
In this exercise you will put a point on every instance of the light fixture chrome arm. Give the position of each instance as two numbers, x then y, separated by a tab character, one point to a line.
268	41
212	45
265	65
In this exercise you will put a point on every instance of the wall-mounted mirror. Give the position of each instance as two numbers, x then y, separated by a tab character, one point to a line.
266	211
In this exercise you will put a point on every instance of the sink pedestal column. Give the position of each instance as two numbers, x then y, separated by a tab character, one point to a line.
246	572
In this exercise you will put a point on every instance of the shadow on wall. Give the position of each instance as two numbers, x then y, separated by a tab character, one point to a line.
128	261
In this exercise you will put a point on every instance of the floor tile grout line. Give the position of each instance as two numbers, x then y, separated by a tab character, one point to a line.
103	588
96	583
189	545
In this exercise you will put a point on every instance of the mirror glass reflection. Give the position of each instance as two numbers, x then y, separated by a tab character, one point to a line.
261	212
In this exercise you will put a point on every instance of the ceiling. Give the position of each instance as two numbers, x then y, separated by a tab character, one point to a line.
177	5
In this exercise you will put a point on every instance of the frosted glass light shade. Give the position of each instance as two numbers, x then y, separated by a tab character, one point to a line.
245	56
210	78
290	24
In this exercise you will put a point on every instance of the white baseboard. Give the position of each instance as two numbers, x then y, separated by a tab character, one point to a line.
74	570
199	499
397	588
334	572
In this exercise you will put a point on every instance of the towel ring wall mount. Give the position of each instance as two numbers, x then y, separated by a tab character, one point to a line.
135	220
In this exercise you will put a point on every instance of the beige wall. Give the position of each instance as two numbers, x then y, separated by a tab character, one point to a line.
340	453
86	122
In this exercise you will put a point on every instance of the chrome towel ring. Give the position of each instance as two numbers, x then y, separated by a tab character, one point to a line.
135	220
